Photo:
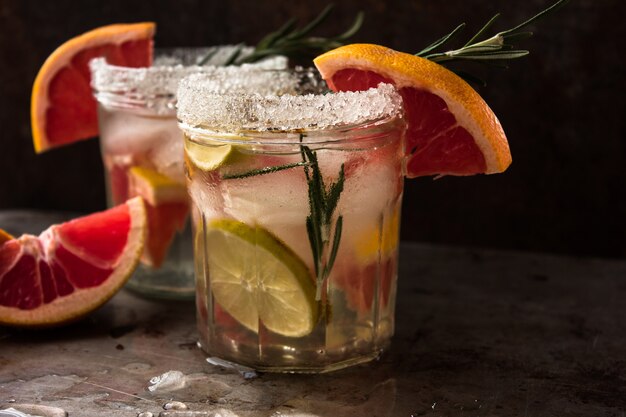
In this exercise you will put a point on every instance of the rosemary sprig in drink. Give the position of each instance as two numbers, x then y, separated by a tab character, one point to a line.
323	200
495	50
322	204
293	42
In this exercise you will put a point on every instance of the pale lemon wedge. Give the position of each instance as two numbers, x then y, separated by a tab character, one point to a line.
256	278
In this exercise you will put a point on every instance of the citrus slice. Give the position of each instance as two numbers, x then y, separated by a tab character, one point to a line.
255	277
63	109
155	187
167	208
451	130
208	157
71	268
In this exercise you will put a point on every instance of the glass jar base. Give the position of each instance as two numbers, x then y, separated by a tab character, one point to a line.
296	369
164	283
324	365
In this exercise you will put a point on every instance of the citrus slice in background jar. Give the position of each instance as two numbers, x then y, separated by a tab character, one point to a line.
167	207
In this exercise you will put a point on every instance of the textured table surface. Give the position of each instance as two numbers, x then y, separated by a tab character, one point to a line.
479	333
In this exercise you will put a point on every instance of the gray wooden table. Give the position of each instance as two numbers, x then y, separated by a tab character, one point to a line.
479	333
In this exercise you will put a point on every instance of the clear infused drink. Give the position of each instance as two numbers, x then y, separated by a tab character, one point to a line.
296	211
142	151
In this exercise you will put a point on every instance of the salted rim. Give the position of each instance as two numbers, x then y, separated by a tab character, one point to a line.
205	104
162	78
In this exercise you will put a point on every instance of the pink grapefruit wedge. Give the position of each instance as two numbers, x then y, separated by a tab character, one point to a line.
451	130
71	268
63	109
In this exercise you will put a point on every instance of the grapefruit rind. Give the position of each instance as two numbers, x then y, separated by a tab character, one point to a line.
65	309
116	34
407	70
5	236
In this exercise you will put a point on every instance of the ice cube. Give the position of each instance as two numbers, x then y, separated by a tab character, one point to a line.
278	202
127	133
167	155
169	381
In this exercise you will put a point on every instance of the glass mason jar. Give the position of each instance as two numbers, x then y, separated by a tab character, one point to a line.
296	213
142	151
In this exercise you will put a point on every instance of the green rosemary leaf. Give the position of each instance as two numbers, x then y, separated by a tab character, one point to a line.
516	37
263	171
208	56
335	246
538	16
332	198
312	25
494	55
303	155
441	41
352	30
235	54
310	228
292	42
482	30
499	47
470	50
322	204
317	182
271	38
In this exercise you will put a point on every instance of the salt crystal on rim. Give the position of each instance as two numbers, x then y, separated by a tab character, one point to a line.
163	77
269	100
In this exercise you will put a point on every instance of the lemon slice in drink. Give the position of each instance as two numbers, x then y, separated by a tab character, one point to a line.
256	278
209	157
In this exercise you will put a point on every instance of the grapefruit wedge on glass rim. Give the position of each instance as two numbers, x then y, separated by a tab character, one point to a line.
70	269
63	109
451	130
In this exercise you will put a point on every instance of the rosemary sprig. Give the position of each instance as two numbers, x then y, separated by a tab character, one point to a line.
495	50
294	42
263	171
319	223
323	200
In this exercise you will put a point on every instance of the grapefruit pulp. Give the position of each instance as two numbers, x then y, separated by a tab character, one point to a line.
71	268
63	109
451	130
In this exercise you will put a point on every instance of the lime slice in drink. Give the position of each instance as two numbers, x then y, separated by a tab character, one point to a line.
255	277
209	157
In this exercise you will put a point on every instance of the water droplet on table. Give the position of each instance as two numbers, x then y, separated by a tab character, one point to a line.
169	381
175	405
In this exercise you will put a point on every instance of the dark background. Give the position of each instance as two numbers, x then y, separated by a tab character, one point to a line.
562	108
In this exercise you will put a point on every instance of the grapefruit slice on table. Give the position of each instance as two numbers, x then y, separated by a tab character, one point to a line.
63	109
451	130
71	268
167	207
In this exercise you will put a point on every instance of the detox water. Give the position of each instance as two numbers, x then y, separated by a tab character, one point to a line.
295	230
